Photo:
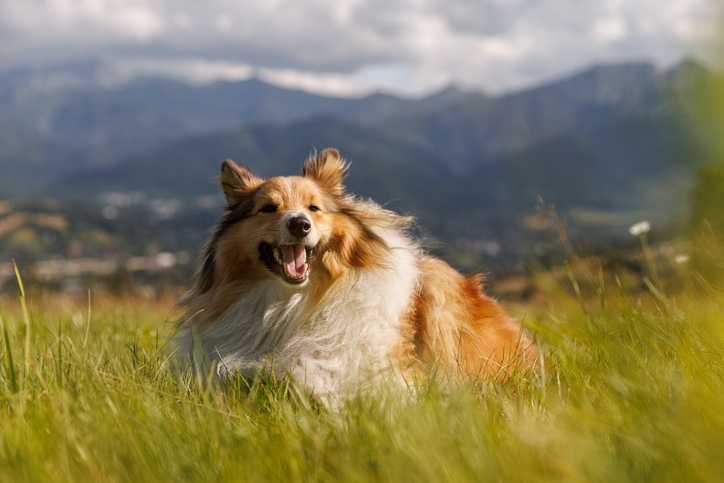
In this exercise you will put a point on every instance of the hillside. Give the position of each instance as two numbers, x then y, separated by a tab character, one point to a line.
76	104
608	146
628	160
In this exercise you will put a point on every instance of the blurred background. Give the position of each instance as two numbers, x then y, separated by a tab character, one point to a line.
516	131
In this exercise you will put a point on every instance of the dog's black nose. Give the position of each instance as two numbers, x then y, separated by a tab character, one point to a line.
299	226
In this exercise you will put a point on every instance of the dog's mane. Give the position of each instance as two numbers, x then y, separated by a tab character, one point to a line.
363	247
234	214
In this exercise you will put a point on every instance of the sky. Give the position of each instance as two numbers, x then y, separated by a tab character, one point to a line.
354	47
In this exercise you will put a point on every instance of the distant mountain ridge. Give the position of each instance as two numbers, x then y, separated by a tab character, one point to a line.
77	106
476	131
614	138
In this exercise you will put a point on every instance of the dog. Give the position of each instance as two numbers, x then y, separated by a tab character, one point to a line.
304	279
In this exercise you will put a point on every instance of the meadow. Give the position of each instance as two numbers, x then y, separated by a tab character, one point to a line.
631	388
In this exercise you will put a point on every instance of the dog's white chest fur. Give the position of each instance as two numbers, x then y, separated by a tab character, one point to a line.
336	346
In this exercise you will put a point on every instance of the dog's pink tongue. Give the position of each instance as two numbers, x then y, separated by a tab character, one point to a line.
295	258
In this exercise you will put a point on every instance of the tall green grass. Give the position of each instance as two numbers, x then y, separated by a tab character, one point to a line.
631	389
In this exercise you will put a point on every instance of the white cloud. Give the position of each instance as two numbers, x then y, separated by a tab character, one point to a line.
225	22
330	45
69	21
343	85
609	29
181	19
196	71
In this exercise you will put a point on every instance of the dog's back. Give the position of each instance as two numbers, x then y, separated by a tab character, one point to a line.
457	325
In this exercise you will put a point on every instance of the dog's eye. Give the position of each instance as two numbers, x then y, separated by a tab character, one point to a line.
314	208
268	208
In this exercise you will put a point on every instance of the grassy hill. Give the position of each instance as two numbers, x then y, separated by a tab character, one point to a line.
630	389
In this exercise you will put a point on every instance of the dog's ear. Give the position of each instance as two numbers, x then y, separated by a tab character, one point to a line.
236	181
327	169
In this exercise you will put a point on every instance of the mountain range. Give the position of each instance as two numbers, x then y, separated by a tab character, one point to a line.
608	146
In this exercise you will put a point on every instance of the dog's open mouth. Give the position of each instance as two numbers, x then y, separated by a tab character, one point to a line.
291	262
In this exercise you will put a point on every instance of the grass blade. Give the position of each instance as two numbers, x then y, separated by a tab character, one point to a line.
10	363
87	329
26	319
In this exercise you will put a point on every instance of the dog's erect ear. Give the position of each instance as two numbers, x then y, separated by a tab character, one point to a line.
327	169
236	181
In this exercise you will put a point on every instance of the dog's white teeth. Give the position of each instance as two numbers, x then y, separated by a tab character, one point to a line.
277	257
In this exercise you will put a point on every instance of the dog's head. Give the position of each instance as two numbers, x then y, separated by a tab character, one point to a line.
289	227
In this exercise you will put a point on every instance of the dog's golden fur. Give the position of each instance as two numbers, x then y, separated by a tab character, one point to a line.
350	299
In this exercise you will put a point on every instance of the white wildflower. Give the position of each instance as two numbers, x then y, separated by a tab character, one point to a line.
639	228
683	258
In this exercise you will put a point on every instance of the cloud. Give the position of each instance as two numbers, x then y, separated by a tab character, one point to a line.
69	22
332	46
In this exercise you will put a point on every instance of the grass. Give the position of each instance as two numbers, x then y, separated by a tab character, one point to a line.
631	389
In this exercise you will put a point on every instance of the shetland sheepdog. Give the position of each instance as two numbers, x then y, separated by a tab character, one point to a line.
304	279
